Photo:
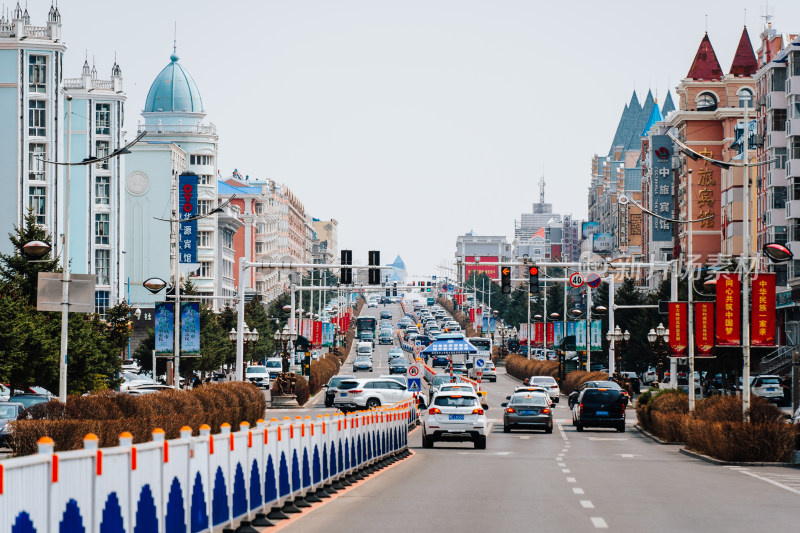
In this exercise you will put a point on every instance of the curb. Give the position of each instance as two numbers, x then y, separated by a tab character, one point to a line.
719	462
655	439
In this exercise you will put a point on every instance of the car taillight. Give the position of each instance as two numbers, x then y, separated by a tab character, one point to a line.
434	411
355	391
581	407
545	411
510	410
477	411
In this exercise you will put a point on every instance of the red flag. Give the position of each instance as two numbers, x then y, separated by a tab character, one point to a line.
677	327
762	313
704	327
729	310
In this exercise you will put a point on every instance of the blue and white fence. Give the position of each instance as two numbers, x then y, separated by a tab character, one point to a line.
194	484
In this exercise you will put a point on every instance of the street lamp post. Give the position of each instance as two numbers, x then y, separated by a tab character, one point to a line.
659	341
619	339
250	337
284	336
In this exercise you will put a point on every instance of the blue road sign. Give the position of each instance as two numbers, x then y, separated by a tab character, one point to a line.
480	362
415	384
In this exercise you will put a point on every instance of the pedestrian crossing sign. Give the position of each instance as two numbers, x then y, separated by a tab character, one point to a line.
415	384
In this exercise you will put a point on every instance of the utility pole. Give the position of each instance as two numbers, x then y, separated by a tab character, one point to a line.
62	363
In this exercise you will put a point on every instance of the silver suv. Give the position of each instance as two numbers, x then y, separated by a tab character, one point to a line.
355	394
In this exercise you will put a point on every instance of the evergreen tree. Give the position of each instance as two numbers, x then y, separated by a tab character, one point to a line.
19	273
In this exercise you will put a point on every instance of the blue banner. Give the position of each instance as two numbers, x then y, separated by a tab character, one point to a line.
327	334
492	324
165	326
558	332
661	194
485	324
571	329
190	329
187	203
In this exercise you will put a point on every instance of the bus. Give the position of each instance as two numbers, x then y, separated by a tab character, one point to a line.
484	347
368	324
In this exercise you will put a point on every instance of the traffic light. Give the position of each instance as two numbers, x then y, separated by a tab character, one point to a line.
533	272
346	274
374	273
505	280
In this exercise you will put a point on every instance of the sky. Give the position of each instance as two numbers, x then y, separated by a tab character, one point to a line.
411	122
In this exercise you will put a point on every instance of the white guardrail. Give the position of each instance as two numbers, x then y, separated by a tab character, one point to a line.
195	484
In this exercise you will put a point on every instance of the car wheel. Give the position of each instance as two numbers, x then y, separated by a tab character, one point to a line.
548	430
427	442
480	442
579	426
621	427
372	403
506	428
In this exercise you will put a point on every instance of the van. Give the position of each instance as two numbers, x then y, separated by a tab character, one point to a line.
364	348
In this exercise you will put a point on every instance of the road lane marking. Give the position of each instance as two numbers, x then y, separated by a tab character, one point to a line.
562	465
577	491
571	480
768	480
564	450
587	504
627	455
605	438
565	471
524	437
599	523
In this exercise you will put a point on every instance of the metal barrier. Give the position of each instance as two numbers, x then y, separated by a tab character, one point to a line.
196	484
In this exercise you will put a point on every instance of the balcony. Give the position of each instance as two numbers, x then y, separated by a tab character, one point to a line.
776	100
792	85
777	178
776	139
793	168
793	127
792	209
777	217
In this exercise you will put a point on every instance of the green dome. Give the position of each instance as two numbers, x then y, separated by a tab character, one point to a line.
173	91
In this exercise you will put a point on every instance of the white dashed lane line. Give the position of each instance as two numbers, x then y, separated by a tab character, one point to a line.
576	490
587	504
599	523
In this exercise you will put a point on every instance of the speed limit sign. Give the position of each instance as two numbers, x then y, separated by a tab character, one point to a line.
576	279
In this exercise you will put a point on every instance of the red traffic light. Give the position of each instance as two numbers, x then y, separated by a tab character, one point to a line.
533	271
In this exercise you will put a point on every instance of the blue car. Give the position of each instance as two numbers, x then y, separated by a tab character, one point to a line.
440	360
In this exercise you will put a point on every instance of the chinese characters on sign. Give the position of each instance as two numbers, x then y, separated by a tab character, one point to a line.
187	202
705	193
190	329
677	328
661	179
165	325
762	323
704	328
729	310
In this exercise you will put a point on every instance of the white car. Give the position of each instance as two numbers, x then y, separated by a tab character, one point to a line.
258	374
457	388
455	416
549	383
354	394
768	387
372	303
274	366
488	373
129	380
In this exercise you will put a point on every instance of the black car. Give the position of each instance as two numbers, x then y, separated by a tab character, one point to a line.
398	365
386	314
440	360
600	408
331	388
573	396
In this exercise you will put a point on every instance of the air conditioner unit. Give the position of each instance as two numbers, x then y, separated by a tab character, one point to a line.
758	139
762	100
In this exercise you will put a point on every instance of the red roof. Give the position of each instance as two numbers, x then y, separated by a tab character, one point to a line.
705	65
744	62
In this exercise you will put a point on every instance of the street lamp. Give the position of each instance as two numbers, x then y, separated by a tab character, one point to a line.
250	337
620	341
659	341
284	336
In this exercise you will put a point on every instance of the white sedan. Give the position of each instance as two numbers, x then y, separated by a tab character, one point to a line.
455	416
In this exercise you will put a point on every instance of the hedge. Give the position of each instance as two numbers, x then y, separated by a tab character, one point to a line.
715	427
521	367
107	414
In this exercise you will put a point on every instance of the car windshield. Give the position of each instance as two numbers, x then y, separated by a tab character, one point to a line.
256	369
455	401
27	401
365	349
8	411
362	359
348	384
529	399
543	380
489	366
600	395
451	388
604	385
443	378
273	364
399	361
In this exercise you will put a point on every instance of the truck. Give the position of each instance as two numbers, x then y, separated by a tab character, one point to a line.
484	347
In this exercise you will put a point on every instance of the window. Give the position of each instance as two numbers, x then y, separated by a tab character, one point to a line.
780	157
745	98
102	190
204	179
259	247
102	266
101	228
102	151
795	148
795	62
794	104
101	303
779	80
778	197
200	159
37	118
203	207
204	239
37	200
36	154
227	239
206	270
37	74
259	208
102	119
778	120
706	102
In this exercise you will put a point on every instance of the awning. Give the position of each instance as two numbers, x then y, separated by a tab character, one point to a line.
449	347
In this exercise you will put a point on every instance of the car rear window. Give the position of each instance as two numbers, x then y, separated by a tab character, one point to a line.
543	379
8	411
455	401
529	399
770	381
600	395
347	384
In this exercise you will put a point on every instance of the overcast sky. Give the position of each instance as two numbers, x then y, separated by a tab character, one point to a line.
411	122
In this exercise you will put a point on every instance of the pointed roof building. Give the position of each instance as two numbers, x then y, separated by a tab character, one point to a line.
635	138
668	106
744	62
705	65
655	116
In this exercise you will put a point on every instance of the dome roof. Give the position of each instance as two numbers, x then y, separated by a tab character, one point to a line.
173	91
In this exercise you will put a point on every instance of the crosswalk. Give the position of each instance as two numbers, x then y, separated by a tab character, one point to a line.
789	480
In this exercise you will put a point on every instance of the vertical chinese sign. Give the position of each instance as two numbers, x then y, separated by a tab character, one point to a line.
558	328
190	329
762	323
538	333
661	178
729	310
677	328
165	324
187	236
706	186
704	328
316	339
550	333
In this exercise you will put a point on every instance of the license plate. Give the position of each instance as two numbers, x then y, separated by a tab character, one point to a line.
529	412
456	417
770	390
342	395
602	413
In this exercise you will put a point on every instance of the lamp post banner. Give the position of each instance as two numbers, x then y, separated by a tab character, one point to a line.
187	201
538	333
704	328
472	315
523	333
762	318
190	329
550	333
317	333
677	327
165	322
596	334
558	332
729	310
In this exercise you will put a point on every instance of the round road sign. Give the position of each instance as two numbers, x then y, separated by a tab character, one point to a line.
593	280
480	363
413	371
576	280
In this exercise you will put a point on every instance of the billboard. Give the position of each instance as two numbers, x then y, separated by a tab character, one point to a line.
187	236
489	270
602	243
165	327
588	229
190	329
762	322
661	199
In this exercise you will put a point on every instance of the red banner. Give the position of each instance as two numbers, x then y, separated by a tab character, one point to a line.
762	316
472	315
677	327
538	333
704	328
316	337
729	310
550	333
490	271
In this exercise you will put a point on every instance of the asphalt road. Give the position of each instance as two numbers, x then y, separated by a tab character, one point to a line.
563	482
